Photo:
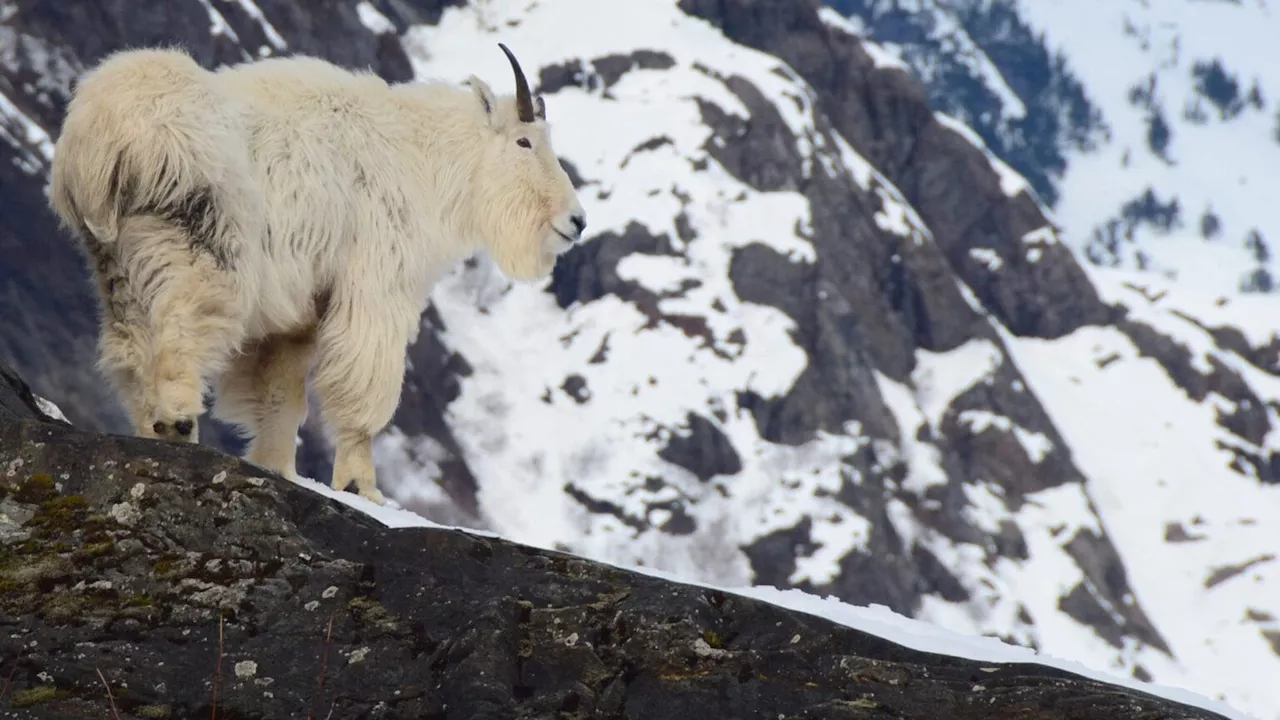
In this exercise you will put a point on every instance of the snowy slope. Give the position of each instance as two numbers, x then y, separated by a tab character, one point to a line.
1188	92
1200	538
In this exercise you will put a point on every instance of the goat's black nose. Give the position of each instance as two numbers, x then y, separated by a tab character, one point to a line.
579	222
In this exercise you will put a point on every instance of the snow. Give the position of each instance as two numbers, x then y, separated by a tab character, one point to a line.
1226	166
1155	463
988	257
374	20
924	462
940	378
273	36
392	515
1169	469
49	408
34	148
1036	444
218	24
882	57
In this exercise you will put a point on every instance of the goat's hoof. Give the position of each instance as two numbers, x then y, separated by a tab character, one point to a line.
374	496
181	430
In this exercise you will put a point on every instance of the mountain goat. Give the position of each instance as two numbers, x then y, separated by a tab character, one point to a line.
254	225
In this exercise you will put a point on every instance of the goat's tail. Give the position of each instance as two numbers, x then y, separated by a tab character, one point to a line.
147	132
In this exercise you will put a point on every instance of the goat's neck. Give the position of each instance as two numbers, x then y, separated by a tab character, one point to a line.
448	154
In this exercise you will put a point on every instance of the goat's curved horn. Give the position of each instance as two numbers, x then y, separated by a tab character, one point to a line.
524	101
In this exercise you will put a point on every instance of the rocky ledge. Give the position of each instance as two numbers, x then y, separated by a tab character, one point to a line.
142	579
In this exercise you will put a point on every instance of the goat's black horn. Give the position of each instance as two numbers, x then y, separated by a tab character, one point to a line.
524	101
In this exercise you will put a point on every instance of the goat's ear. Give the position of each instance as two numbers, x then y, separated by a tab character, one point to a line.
484	95
540	108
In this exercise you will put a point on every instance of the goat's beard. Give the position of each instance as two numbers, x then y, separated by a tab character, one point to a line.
528	262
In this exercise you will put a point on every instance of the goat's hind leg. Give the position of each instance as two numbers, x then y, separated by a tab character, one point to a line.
264	393
124	335
192	303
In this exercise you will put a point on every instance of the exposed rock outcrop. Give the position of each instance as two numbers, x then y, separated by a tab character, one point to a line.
154	580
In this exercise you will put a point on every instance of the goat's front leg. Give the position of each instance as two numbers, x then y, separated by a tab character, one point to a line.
358	375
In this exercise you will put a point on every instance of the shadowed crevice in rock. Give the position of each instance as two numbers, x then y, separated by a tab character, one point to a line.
1002	434
604	73
838	383
702	449
1105	579
1247	418
589	270
760	150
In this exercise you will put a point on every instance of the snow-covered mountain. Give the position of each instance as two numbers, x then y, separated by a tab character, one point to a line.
1152	128
822	335
1154	131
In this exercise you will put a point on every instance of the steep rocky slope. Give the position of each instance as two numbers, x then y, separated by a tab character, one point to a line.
820	337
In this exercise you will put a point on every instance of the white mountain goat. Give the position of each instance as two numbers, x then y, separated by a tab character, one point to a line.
254	225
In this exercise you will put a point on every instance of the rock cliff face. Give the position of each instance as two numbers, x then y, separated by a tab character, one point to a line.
141	579
805	345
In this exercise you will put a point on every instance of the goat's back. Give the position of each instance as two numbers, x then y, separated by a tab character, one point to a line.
147	131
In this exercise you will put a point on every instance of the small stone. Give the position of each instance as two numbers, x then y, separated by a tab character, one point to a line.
312	605
329	592
137	491
357	655
125	514
256	481
246	669
702	649
220	477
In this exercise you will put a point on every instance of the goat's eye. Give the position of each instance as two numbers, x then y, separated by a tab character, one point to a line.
524	143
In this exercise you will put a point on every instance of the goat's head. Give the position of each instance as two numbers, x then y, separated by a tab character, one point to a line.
531	213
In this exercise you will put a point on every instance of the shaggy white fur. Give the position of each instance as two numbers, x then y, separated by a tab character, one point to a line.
252	226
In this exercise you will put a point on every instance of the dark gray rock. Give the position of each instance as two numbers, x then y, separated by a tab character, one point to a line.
703	449
146	579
